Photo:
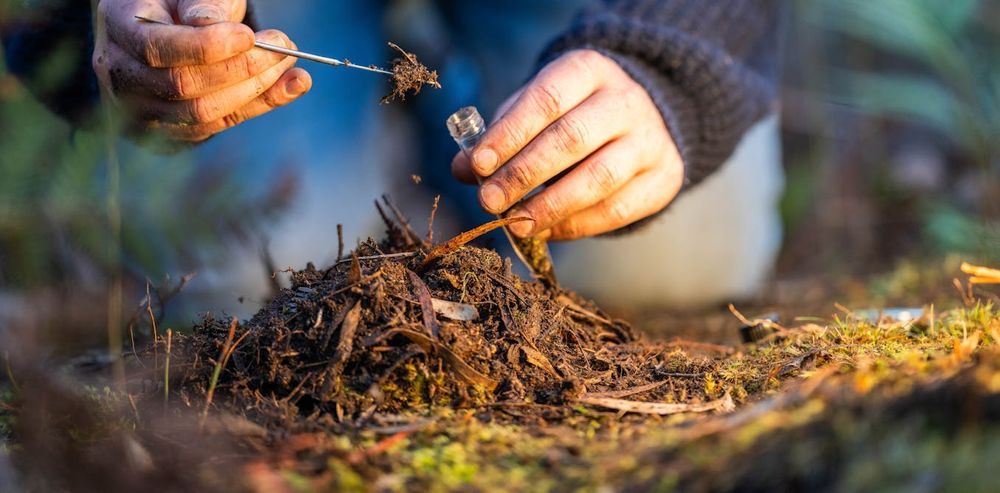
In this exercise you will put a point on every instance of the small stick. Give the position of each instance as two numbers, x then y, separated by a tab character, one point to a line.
430	222
340	242
402	220
223	357
152	319
166	370
377	257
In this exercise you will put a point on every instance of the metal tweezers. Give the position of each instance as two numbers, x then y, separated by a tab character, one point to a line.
295	53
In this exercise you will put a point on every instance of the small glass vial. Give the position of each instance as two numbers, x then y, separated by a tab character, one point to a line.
466	127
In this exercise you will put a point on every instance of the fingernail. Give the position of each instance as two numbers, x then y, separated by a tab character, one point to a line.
484	161
492	197
206	12
523	228
295	87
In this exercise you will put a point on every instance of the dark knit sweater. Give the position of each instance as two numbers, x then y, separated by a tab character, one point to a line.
709	65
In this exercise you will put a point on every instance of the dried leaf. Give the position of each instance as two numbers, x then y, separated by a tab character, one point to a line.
345	345
535	357
426	305
455	311
618	394
457	242
466	372
723	404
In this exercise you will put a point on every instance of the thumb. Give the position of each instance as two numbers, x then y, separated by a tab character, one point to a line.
200	13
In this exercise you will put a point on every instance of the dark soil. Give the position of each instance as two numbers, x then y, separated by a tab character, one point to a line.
362	337
409	76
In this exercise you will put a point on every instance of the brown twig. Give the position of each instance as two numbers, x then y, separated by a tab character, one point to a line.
463	238
152	320
378	257
401	219
223	357
430	222
340	242
166	369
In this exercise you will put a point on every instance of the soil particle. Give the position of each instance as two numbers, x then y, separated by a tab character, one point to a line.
409	76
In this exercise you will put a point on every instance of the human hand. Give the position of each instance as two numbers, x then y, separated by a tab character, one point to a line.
195	77
584	117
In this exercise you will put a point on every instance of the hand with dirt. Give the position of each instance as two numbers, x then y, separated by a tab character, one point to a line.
584	120
195	77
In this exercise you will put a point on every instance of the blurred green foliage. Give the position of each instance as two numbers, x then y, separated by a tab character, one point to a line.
176	212
872	81
952	82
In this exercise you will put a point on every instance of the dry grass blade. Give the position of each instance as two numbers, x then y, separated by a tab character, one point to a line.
460	240
431	324
451	310
166	368
723	404
466	372
618	394
223	357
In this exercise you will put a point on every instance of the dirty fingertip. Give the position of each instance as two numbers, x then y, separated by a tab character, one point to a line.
522	228
461	169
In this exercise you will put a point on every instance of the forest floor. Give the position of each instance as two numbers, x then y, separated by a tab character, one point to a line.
413	366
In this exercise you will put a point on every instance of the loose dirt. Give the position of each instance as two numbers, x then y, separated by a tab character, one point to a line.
409	76
386	330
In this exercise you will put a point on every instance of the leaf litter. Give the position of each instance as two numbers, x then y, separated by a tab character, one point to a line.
406	331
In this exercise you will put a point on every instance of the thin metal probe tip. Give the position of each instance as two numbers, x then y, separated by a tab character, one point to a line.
295	53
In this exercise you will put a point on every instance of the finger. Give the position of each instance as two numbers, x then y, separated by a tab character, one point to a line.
598	177
291	86
564	143
190	82
645	195
206	12
212	106
461	166
558	88
159	45
461	169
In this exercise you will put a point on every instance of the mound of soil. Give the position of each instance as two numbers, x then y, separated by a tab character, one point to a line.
385	331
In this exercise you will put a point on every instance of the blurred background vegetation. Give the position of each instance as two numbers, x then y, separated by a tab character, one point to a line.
891	114
891	118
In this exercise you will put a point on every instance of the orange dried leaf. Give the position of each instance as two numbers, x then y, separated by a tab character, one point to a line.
460	240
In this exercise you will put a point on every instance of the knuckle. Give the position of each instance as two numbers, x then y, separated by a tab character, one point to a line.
548	99
589	60
520	176
548	208
510	134
149	53
200	111
183	83
604	175
568	230
571	133
618	212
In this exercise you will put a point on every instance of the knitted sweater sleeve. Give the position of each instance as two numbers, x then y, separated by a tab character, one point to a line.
710	66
